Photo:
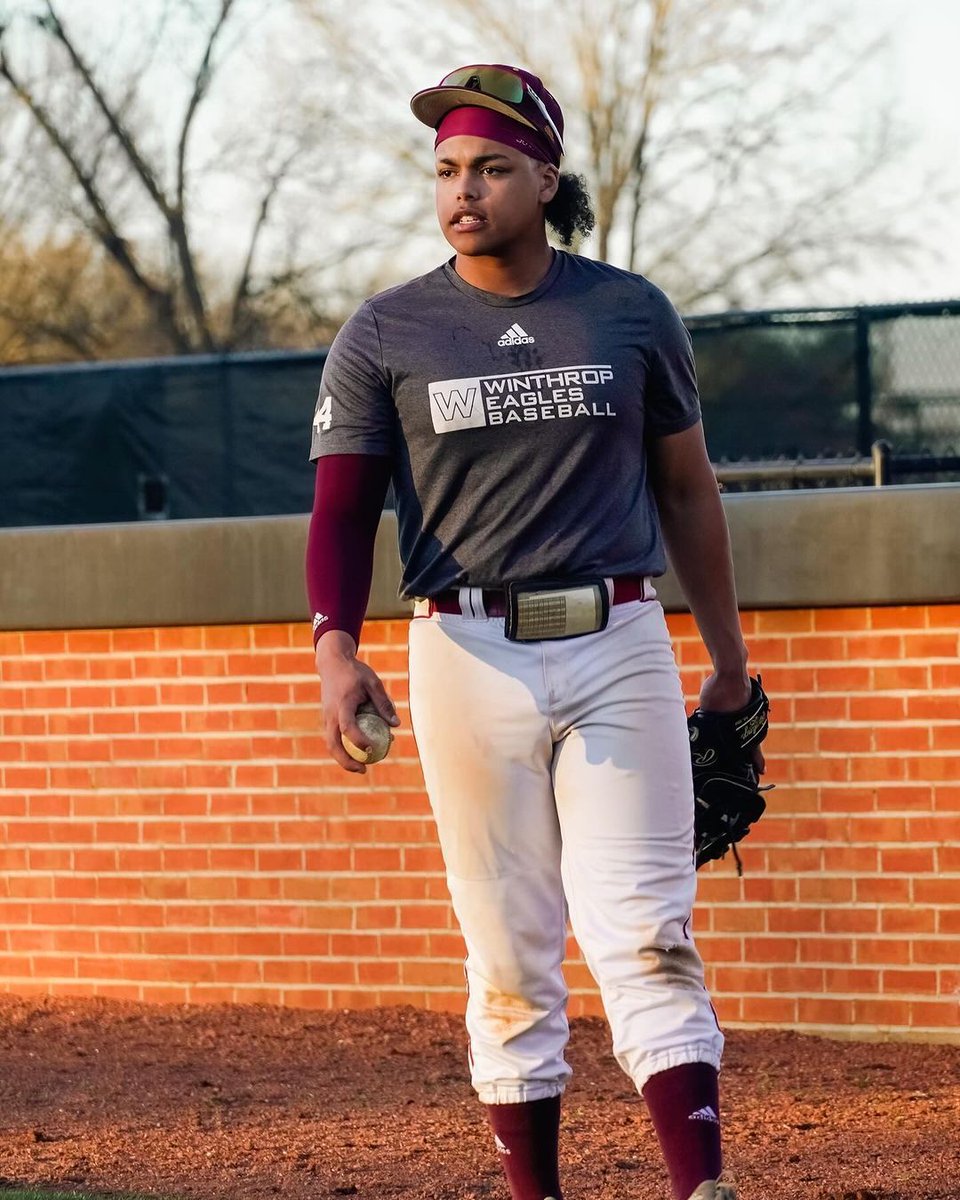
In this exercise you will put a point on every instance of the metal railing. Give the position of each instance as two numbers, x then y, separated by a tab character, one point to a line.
881	468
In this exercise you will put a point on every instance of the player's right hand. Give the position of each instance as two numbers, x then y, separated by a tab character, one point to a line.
345	684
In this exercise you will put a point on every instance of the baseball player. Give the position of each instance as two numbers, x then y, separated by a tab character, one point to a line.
537	413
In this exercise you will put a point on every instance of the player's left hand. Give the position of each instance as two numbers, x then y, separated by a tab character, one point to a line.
726	762
728	692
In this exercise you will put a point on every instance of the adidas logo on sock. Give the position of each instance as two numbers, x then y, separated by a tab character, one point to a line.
501	1148
704	1114
516	335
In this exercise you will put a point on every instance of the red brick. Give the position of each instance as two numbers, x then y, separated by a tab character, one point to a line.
948	921
883	951
48	697
816	770
943	615
815	1010
826	889
883	890
850	920
773	1010
851	859
777	889
716	886
933	767
796	979
911	860
878	708
818	648
932	951
878	767
432	974
872	830
907	920
21	670
932	708
934	1014
791	740
88	641
847	799
908	982
378	973
944	676
898	617
822	708
846	678
784	621
904	737
845	739
826	950
882	1012
851	980
938	890
941	644
903	676
874	647
131	640
946	737
841	618
769	949
226	637
738	920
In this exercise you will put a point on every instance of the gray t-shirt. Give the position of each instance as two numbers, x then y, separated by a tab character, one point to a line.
516	425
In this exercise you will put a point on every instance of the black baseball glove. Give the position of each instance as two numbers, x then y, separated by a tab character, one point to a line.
726	786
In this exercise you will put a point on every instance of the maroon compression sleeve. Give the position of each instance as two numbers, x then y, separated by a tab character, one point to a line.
348	500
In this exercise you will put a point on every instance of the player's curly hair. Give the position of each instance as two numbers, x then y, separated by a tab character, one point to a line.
571	210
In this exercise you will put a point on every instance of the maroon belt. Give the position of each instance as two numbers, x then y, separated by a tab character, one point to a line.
625	589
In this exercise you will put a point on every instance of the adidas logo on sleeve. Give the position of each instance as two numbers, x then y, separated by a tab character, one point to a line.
516	335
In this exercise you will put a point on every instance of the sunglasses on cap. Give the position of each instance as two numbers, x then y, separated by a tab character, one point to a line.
502	85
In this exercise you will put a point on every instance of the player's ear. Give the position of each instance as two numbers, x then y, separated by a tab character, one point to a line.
549	182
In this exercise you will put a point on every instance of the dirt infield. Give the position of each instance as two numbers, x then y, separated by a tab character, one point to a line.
244	1103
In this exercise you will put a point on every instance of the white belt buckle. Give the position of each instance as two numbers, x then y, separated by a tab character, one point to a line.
539	612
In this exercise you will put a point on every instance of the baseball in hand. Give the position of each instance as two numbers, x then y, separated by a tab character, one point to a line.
376	730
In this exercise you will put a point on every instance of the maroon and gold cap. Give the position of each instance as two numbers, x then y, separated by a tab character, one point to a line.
510	91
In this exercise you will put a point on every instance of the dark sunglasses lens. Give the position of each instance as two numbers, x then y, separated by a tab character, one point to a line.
488	80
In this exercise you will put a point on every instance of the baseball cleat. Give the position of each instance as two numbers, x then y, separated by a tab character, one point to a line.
715	1189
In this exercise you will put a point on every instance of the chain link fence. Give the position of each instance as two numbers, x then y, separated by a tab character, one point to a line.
820	383
212	437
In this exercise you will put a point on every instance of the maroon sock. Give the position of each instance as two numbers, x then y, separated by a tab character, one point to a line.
527	1137
684	1103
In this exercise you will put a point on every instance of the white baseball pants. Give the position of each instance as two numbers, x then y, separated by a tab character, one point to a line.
559	777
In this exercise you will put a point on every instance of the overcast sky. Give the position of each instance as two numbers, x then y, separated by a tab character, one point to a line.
924	46
921	73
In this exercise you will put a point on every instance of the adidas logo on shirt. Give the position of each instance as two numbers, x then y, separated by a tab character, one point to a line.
516	335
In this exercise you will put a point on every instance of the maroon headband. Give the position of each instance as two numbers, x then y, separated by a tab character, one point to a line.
485	123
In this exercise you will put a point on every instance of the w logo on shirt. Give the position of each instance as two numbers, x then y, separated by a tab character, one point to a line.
456	404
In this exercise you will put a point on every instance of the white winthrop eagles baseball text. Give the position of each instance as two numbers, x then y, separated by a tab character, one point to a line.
501	399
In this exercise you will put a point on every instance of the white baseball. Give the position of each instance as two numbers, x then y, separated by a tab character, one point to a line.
376	730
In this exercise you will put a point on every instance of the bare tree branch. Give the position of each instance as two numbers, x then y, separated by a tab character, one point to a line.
102	224
201	85
242	290
172	213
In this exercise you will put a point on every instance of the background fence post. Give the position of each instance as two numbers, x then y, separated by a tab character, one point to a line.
880	452
864	383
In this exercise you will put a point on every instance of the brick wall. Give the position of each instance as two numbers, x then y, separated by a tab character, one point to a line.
171	830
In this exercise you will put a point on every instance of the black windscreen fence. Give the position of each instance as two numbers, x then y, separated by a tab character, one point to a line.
214	437
177	438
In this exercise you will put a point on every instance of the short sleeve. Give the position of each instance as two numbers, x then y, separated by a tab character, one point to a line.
355	412
671	400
